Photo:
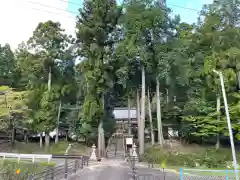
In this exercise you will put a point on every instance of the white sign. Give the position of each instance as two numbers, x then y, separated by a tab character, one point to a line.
129	141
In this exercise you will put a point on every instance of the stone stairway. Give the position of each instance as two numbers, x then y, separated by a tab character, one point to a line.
115	155
115	148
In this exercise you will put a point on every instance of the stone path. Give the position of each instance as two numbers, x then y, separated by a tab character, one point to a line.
119	170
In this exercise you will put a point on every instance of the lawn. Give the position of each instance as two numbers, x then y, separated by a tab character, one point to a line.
60	148
194	159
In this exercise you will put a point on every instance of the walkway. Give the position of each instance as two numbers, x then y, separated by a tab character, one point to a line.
119	170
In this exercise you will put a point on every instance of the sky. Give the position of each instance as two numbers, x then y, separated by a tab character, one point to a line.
19	18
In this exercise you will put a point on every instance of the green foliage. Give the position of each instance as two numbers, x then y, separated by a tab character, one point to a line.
96	26
46	69
113	43
217	52
13	108
7	65
209	158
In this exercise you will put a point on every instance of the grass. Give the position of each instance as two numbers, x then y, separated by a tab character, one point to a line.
211	172
60	148
209	162
202	171
9	168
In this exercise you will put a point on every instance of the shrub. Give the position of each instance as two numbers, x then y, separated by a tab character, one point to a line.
214	159
209	158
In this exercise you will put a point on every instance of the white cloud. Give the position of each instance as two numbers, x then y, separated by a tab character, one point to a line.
20	17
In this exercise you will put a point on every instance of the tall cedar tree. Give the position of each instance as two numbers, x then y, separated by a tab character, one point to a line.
96	25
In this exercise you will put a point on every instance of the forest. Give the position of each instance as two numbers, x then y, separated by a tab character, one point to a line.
134	54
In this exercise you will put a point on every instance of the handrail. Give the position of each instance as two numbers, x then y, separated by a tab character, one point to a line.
59	172
48	157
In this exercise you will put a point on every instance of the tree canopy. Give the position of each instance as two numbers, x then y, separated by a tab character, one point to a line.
124	49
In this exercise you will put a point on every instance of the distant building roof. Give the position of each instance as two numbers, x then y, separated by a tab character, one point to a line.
122	113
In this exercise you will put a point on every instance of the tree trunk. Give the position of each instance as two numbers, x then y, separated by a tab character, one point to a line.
129	118
150	118
66	135
58	119
103	133
138	115
25	136
100	141
101	138
12	126
159	119
47	140
141	143
103	142
218	110
41	140
49	78
13	135
167	97
238	80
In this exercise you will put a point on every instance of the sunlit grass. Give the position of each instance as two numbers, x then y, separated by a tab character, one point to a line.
60	148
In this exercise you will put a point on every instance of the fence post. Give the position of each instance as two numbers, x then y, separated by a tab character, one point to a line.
78	163
52	173
133	164
66	167
82	162
46	175
181	174
226	174
75	165
30	177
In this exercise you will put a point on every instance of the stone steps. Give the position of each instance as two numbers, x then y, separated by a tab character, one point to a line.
117	155
116	148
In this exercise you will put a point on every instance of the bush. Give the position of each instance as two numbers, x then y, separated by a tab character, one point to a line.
181	159
210	158
215	159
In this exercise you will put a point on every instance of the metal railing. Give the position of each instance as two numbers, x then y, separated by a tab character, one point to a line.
69	167
62	171
58	172
31	157
206	174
